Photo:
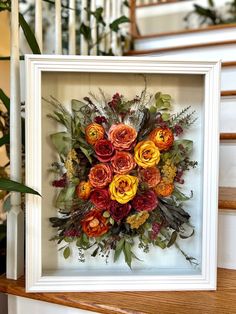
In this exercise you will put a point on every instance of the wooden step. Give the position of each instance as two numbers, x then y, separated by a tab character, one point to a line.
159	3
186	31
221	301
184	47
227	198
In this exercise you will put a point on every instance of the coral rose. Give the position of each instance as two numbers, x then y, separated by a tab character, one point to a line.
122	162
122	136
162	137
145	201
101	199
123	188
94	224
100	175
146	154
119	211
164	189
94	132
83	190
151	176
104	150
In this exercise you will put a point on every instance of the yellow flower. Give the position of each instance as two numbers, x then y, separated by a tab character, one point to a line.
94	132
146	154
168	172
83	190
123	188
137	220
71	161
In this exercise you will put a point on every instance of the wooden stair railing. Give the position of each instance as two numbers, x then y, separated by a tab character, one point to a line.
221	301
155	3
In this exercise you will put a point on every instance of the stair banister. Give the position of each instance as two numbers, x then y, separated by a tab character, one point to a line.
15	218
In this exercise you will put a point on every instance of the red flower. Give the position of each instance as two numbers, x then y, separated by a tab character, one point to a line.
151	176
104	150
122	136
145	201
94	224
119	211
122	162
100	175
101	199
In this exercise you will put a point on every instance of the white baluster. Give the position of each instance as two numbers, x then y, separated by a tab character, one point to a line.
58	38
107	18
114	35
101	46
93	26
84	19
72	39
38	23
15	219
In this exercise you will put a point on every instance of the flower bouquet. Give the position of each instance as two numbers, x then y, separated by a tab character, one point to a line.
119	175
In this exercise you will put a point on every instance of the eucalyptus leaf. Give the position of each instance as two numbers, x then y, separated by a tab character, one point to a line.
66	252
62	142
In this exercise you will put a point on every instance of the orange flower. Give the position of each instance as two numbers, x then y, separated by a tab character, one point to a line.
83	190
122	162
94	224
100	175
94	132
164	189
151	176
162	137
122	136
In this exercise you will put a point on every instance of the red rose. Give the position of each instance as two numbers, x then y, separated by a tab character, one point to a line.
119	211
145	201
101	199
94	224
104	150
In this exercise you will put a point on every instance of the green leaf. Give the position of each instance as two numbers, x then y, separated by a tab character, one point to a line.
5	140
13	186
181	196
95	252
29	35
85	31
127	253
64	196
98	16
68	239
160	243
172	239
114	26
87	153
186	144
119	248
76	105
66	252
182	236
62	142
5	99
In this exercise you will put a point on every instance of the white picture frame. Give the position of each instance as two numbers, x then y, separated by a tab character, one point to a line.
36	280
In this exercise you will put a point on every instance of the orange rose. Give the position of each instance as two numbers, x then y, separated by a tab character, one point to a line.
122	162
94	132
83	190
122	136
94	224
162	137
100	175
151	176
164	189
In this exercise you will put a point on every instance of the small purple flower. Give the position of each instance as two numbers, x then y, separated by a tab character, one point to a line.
156	227
61	183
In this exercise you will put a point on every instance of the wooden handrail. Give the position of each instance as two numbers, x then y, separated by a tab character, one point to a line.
152	3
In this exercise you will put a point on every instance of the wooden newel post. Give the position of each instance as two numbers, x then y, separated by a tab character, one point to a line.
15	219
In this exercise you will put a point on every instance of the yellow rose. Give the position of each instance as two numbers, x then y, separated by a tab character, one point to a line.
146	154
123	188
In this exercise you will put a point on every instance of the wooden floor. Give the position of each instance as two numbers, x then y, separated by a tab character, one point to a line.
222	301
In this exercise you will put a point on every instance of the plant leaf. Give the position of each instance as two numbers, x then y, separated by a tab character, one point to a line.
5	140
86	153
114	26
127	253
172	239
29	35
118	250
5	99
62	142
85	31
13	186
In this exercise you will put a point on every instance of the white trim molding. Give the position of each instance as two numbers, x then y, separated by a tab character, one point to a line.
36	280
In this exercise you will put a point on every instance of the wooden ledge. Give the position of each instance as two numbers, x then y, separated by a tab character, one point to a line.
228	64
227	198
228	93
221	301
186	31
193	46
227	136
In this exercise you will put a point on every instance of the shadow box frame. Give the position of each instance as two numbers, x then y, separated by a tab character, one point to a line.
36	280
